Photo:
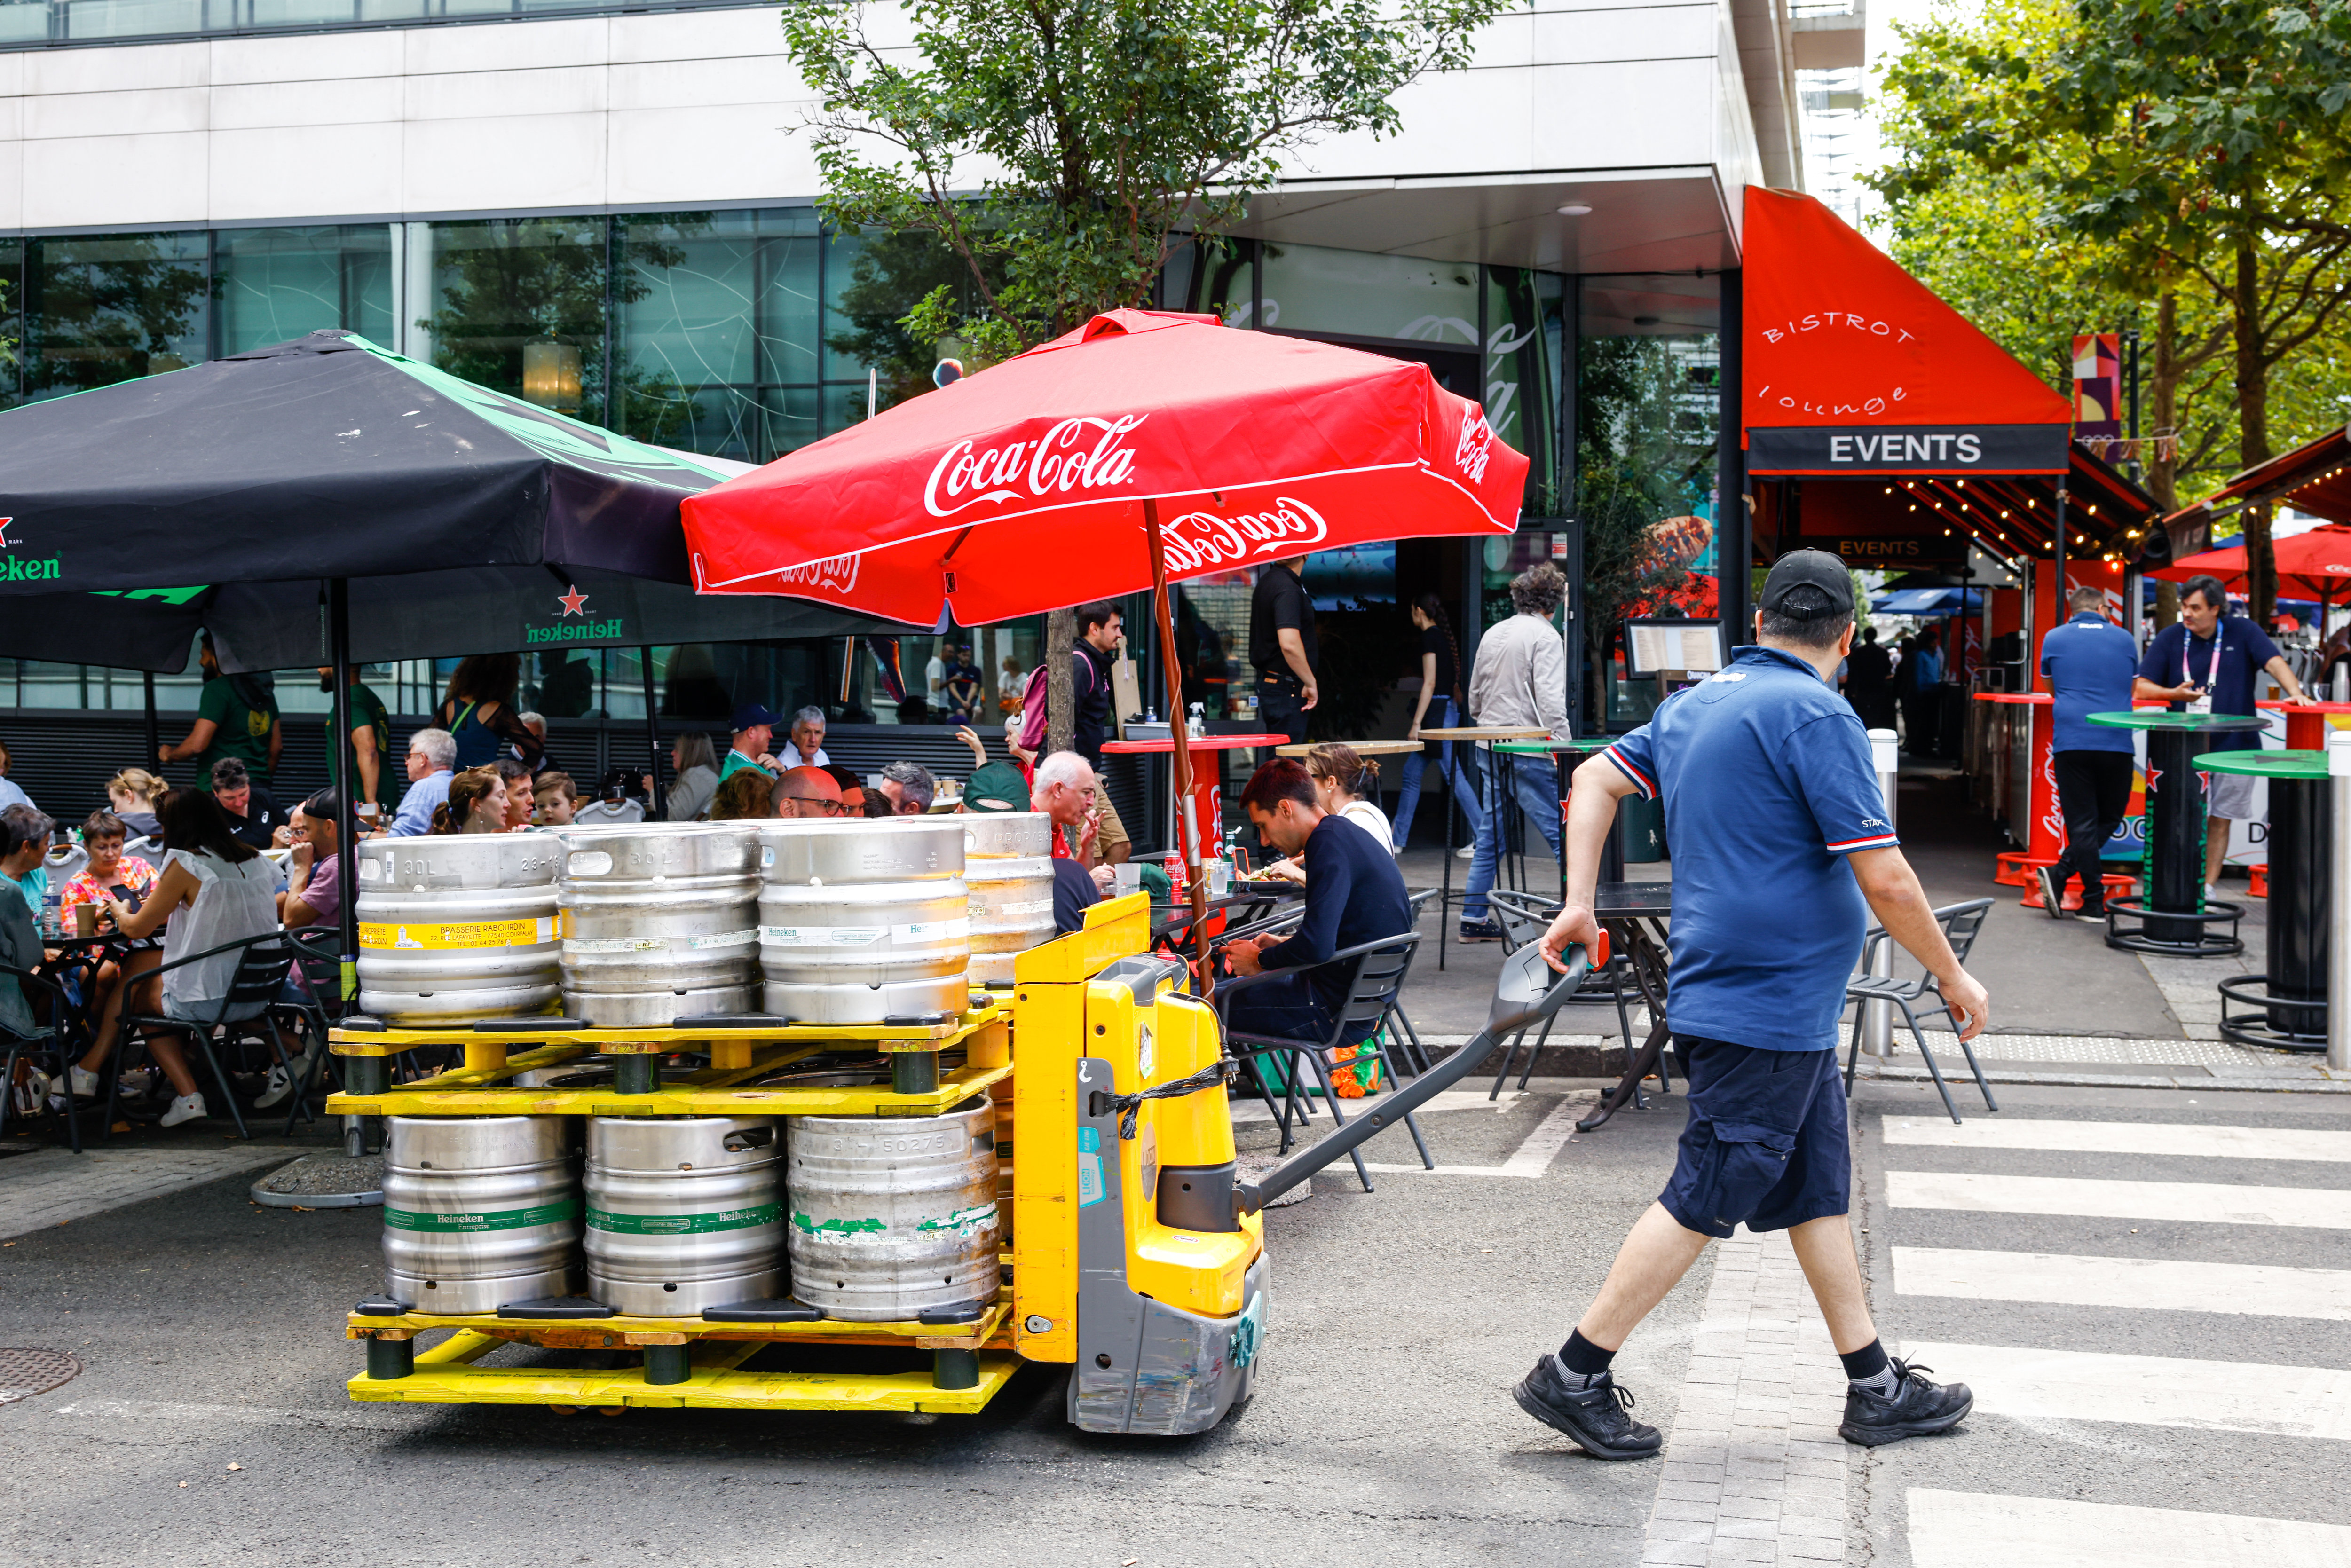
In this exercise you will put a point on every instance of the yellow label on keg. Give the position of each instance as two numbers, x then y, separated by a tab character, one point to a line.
529	932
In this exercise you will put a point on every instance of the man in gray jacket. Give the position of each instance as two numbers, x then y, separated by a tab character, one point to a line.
1520	681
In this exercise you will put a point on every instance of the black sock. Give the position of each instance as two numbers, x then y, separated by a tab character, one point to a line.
1866	1363
1582	1357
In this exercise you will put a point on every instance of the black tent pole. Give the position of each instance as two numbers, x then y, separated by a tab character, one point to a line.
155	735
339	647
653	732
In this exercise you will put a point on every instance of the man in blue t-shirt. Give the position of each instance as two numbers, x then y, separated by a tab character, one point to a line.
2206	663
1781	851
2088	663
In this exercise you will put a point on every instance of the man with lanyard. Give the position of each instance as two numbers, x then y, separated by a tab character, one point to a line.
2205	664
755	728
1283	647
2089	663
1768	785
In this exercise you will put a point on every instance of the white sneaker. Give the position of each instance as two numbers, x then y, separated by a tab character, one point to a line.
2211	891
85	1084
1466	853
186	1108
281	1084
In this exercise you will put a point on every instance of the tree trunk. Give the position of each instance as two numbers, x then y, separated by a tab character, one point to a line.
2253	428
2162	471
1061	699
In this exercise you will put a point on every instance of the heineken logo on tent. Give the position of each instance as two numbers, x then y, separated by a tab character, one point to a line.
18	570
575	632
574	602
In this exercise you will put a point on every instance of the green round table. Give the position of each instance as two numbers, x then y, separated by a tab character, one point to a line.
1611	854
2291	994
2172	911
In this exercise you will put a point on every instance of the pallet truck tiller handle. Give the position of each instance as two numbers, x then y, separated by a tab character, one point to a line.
1527	992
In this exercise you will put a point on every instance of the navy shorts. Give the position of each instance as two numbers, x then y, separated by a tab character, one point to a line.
1766	1146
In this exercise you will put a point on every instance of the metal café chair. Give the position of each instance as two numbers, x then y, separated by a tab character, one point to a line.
1524	917
1962	924
49	1039
254	990
1377	973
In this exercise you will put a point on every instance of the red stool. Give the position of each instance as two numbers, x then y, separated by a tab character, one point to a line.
2260	888
2015	869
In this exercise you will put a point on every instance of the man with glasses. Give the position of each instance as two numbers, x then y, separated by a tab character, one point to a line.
808	793
432	754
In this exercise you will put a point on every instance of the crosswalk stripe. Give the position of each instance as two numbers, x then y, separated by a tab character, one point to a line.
1967	1530
2152	1283
2320	1208
2121	1138
2149	1390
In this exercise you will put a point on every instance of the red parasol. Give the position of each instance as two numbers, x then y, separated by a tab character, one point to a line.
2314	564
1025	487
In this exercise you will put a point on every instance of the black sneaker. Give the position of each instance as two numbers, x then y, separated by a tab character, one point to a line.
1596	1416
1918	1407
2052	896
2095	916
1481	930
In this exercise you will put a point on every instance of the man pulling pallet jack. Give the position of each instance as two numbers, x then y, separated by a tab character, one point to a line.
1767	781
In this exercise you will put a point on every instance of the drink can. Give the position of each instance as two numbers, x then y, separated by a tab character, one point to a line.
1178	889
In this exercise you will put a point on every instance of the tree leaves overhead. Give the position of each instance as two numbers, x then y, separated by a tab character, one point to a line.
1057	144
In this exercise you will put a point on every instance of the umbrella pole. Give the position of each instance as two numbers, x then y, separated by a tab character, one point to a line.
155	735
338	649
1187	829
653	732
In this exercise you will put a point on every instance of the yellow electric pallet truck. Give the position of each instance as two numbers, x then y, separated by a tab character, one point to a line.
1131	1251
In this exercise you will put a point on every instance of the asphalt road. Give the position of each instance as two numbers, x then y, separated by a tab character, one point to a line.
1382	1432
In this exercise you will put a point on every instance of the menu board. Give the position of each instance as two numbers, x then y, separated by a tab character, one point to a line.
1694	646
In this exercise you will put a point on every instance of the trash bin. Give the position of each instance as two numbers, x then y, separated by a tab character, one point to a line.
1641	828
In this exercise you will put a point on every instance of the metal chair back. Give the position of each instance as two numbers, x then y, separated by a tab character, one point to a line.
1522	916
1962	923
1379	976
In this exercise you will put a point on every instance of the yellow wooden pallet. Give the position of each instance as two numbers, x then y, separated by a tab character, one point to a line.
621	1333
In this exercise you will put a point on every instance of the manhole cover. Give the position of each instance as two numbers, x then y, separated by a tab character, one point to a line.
24	1372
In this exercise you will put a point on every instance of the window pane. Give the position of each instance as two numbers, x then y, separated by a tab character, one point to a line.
47	684
298	13
24	21
276	284
509	284
869	290
788	297
841	361
1310	290
131	18
791	418
111	308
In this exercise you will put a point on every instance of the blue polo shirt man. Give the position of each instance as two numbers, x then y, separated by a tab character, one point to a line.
2089	663
1781	851
2206	662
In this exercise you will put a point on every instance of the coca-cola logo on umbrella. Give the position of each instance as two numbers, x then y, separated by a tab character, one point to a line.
834	574
1082	453
1475	448
1198	542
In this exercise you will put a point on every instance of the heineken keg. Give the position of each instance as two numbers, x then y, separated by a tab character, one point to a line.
479	1212
457	927
1008	867
659	922
894	1216
684	1213
864	921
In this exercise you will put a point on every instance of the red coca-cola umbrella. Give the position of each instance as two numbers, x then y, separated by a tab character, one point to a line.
2313	564
1036	484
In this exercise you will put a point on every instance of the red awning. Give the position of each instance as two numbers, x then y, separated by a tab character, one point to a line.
1851	366
2314	478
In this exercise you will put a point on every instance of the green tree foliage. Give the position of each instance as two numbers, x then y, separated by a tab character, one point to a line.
2190	158
1056	145
1646	452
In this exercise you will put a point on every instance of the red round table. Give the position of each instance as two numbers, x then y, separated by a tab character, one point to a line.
1208	798
2305	723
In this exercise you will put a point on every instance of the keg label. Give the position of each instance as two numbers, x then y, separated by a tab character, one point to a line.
724	940
957	930
963	1220
685	1224
842	1229
616	944
1032	907
525	933
822	936
479	1220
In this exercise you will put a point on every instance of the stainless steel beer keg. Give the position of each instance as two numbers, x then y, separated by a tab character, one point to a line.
659	922
1007	866
864	921
894	1216
684	1213
479	1211
459	927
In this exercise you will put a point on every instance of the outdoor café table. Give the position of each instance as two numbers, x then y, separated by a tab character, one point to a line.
2306	724
2173	911
1207	811
2292	1015
1486	795
1360	747
1634	914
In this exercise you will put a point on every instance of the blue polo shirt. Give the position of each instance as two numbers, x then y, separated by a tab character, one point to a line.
2225	662
2088	663
1768	785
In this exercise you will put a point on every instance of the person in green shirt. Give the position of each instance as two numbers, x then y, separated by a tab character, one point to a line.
370	737
755	729
236	717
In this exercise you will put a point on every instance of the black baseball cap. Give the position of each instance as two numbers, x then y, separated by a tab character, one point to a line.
1808	569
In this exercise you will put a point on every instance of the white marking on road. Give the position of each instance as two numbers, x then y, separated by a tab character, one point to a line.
2123	1138
2322	1208
52	1187
2156	1284
2149	1390
1254	1112
1531	1158
265	1415
1968	1530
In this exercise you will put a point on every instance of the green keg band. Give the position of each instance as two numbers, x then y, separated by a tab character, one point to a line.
558	1213
685	1224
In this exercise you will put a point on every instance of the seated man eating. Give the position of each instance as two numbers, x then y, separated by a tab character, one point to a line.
1354	894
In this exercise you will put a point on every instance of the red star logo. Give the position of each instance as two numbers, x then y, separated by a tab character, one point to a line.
5	543
573	601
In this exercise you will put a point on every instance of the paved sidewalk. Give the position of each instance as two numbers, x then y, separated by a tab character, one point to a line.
53	1187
